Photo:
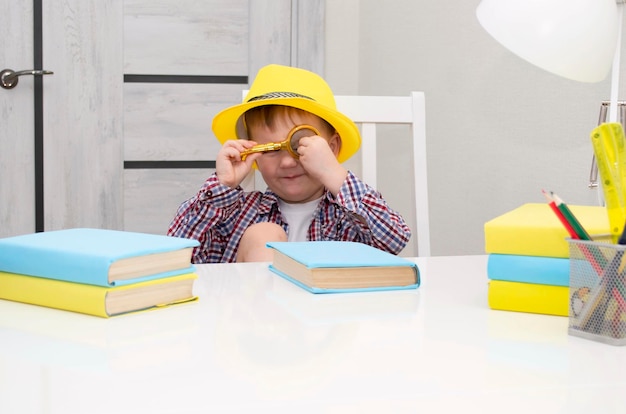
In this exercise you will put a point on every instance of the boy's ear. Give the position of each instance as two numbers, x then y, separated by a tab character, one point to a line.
335	143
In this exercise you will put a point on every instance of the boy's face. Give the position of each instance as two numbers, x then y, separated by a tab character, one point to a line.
284	174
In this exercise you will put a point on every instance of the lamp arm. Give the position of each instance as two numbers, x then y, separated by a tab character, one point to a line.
616	63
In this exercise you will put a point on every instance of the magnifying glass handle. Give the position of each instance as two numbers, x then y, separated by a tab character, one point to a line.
272	146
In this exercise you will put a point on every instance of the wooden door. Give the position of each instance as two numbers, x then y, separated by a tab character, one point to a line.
122	134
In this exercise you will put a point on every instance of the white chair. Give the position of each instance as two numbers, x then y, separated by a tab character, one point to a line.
367	111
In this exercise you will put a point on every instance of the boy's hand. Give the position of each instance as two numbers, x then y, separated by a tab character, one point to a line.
319	160
229	167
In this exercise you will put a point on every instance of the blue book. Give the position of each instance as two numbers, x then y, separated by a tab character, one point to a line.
96	256
528	269
338	266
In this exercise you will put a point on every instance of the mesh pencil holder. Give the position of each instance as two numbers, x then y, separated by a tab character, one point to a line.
597	291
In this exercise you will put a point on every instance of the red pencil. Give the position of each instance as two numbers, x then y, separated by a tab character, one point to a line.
560	215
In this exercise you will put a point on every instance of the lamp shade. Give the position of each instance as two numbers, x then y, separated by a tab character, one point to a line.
575	39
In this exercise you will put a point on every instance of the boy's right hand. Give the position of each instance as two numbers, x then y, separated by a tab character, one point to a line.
229	167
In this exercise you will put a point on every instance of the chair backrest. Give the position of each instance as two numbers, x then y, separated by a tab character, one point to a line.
367	111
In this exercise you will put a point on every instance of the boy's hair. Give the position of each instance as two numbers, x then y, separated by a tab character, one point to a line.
266	115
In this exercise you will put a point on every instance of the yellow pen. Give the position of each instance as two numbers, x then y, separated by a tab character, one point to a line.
608	145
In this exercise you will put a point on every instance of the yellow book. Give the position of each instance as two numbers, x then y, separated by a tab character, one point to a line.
97	300
528	297
534	230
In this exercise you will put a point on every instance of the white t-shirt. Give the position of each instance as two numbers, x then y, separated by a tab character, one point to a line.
298	217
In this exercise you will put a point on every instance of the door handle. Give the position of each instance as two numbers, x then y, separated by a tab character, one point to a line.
9	77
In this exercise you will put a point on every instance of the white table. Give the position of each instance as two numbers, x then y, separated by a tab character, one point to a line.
256	343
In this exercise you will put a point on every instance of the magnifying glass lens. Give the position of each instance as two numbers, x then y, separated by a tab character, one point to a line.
294	140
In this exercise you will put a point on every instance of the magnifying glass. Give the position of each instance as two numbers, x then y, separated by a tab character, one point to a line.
290	144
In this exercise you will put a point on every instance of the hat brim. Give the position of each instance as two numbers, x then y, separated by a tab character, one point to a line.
228	124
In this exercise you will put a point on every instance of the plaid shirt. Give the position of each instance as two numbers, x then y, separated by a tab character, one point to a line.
218	216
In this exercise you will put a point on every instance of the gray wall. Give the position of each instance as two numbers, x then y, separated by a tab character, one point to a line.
498	128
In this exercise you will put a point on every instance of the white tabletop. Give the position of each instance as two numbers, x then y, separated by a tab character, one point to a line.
254	342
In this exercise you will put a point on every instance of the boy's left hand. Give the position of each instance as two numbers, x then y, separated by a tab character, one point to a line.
319	161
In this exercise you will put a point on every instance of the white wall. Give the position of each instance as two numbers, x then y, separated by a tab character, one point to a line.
498	129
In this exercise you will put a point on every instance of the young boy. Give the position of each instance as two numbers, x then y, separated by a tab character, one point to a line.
310	195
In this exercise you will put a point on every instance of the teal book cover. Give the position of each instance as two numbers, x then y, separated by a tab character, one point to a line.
528	269
84	255
338	266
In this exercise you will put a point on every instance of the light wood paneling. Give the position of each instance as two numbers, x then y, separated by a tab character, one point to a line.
308	31
190	37
270	34
152	196
83	114
17	194
287	32
173	121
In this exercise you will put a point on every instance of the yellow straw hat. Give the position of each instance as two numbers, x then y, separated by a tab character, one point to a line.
288	86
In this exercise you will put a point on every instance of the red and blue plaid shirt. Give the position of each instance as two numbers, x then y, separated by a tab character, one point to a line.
218	216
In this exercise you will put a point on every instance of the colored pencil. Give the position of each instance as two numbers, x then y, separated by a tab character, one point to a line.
560	216
569	216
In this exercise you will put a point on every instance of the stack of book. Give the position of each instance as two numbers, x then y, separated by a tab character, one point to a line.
528	262
97	272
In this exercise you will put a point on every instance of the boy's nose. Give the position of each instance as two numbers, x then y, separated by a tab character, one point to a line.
286	159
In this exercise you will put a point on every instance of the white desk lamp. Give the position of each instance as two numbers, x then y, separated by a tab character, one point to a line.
575	39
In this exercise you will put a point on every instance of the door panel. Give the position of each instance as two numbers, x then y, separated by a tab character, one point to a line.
17	191
152	196
169	121
186	37
83	133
